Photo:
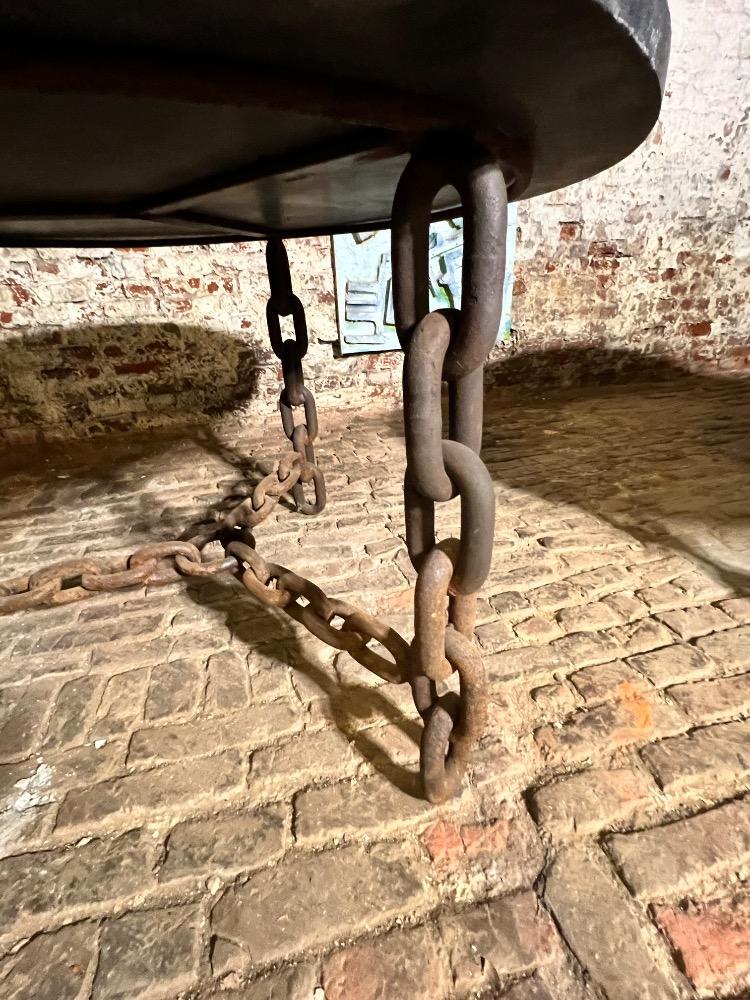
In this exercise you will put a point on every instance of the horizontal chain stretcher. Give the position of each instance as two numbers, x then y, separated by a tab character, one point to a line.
159	563
276	586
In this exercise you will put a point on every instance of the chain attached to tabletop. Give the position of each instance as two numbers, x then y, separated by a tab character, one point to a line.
445	346
290	352
448	346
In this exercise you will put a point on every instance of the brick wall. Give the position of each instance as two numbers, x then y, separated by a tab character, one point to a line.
650	258
647	261
97	340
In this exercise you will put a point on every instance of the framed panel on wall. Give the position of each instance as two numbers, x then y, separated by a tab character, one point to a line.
364	298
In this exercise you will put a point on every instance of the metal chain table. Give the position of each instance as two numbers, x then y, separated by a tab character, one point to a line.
133	123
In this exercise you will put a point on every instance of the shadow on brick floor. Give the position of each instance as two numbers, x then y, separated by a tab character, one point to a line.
110	460
346	704
658	465
649	461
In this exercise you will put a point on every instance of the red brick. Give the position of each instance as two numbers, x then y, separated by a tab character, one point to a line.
509	844
401	965
443	842
700	329
713	942
570	231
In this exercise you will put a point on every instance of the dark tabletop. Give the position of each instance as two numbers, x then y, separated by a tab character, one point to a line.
151	122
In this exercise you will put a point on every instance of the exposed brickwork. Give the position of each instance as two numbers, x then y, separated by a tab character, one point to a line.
647	261
98	340
638	267
713	941
605	931
199	799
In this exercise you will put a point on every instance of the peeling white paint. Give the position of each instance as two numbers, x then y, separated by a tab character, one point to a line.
32	788
21	813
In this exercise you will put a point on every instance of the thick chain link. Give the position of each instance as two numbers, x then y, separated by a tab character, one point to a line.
290	352
291	469
279	587
448	346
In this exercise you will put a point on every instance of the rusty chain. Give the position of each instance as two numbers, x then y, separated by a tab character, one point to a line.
77	579
161	562
290	352
319	611
446	346
74	580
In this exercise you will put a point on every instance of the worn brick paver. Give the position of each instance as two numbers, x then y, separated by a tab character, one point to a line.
199	800
713	940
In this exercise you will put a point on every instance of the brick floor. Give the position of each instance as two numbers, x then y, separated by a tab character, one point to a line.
197	799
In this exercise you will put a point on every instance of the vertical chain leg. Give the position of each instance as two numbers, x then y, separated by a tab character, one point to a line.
448	346
295	394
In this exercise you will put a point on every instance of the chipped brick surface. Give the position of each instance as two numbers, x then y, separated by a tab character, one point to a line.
605	930
667	860
148	952
400	966
591	799
64	955
333	894
502	937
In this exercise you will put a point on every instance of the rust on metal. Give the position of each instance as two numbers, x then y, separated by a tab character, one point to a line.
291	351
449	346
431	611
470	168
454	723
472	482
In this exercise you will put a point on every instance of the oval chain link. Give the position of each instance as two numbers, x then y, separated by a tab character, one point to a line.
477	176
448	346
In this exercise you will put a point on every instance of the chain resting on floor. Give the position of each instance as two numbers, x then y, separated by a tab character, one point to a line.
448	346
